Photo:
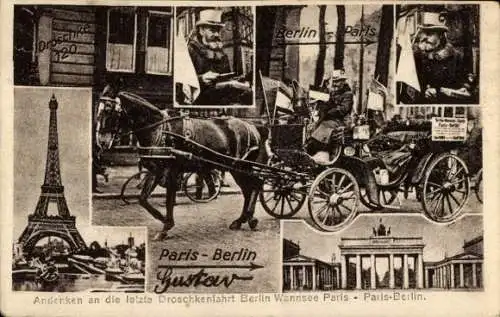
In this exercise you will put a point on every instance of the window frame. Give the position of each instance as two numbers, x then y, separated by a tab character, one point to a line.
134	45
170	44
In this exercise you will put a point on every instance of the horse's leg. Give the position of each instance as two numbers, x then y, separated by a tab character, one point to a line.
241	180
150	183
171	175
252	201
206	178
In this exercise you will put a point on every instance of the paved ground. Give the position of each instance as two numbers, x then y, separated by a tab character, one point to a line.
204	228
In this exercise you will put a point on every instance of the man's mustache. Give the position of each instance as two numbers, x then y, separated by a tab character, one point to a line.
427	40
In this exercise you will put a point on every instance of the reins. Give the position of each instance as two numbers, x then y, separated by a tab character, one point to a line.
154	125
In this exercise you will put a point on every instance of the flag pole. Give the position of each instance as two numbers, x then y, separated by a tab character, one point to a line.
274	112
265	97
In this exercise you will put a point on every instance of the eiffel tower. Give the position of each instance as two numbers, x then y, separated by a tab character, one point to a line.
40	224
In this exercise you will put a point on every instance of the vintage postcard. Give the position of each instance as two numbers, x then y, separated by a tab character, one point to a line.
252	158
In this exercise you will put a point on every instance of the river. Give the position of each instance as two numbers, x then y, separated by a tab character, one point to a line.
70	283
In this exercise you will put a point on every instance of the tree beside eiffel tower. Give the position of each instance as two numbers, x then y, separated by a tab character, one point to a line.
40	224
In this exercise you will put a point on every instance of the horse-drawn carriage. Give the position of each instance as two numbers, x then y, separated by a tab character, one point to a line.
370	176
370	171
363	169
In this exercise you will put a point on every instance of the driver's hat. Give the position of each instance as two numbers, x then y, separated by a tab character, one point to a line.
335	75
435	21
212	17
338	74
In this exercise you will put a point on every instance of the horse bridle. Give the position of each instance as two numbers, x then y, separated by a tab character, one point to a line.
122	112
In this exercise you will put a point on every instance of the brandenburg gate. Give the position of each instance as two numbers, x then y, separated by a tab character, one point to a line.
382	261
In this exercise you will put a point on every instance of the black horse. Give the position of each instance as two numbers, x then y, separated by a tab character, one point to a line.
229	136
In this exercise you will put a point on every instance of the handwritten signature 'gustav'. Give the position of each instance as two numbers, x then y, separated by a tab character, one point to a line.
201	278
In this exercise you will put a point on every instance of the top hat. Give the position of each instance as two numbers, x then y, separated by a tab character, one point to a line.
335	75
338	74
210	17
434	21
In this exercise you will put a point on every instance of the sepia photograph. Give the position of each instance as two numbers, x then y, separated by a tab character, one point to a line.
252	157
333	123
55	248
438	54
385	253
214	56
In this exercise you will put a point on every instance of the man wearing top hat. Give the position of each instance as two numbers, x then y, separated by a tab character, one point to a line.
333	114
439	64
205	50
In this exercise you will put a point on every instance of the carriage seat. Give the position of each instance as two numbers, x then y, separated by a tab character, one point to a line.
322	158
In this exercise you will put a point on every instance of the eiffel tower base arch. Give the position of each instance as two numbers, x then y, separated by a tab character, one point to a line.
41	227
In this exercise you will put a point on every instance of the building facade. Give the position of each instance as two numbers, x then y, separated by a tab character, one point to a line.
90	46
303	273
382	261
463	270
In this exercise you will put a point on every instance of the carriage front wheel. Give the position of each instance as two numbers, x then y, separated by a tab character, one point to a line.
282	198
445	188
333	199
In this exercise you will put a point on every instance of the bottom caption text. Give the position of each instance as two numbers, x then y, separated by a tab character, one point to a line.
195	299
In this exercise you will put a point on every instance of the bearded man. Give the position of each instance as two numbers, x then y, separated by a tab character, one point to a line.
205	50
440	67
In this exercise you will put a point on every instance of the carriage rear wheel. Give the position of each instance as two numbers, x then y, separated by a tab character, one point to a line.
282	198
333	199
385	197
199	190
445	188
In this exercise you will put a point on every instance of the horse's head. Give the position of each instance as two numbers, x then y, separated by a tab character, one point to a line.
125	111
109	117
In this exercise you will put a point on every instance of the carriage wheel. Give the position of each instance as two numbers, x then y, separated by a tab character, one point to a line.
478	187
333	199
282	198
197	189
132	187
445	188
387	197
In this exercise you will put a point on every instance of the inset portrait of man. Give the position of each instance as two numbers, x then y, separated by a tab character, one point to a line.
218	82
438	63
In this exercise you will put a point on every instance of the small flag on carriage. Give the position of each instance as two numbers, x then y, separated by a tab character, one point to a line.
377	94
185	75
318	96
283	101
